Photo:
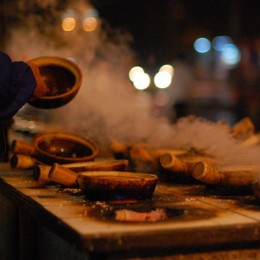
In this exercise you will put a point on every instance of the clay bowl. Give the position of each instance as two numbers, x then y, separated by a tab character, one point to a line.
63	148
63	79
116	185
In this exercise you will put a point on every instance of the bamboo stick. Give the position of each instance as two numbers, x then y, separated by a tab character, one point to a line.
23	162
63	175
99	165
171	162
21	147
41	173
234	176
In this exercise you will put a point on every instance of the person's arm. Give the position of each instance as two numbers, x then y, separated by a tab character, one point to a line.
19	83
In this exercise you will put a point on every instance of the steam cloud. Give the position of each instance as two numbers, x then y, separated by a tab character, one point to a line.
106	106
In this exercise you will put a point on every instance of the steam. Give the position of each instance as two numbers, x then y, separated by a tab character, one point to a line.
107	107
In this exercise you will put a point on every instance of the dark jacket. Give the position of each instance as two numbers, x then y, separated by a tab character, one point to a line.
17	84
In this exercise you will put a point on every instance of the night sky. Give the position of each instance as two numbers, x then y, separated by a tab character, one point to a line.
165	29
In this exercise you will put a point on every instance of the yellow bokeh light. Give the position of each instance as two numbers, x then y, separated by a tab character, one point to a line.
141	81
68	24
134	71
89	24
168	68
162	79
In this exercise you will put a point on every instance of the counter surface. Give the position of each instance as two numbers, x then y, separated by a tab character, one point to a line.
192	217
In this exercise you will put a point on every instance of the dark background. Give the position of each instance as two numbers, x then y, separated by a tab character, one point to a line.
165	29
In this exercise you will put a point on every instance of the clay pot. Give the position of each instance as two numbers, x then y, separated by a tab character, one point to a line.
63	79
116	185
59	147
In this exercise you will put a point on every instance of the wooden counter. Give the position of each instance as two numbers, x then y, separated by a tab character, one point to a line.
52	222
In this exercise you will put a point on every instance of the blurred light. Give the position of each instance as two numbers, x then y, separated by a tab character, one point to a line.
68	24
162	79
230	54
142	81
90	20
89	24
219	42
68	20
134	71
202	45
71	59
167	68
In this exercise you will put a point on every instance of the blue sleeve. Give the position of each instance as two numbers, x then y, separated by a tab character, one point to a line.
17	84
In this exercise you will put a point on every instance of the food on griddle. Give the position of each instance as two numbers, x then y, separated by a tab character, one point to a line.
127	215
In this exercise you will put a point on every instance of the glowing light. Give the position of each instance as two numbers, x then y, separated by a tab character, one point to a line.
162	79
90	20
141	81
134	71
230	54
167	68
89	24
202	45
68	24
68	21
219	42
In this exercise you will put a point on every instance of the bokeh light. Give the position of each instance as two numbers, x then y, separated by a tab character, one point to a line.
90	20
134	71
140	79
219	42
230	54
202	45
162	79
68	20
168	68
89	24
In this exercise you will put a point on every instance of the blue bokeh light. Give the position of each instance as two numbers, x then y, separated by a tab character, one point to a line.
219	42
202	45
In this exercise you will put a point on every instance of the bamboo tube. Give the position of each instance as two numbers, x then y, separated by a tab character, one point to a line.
41	173
143	159
119	149
239	175
234	176
67	174
63	175
170	162
21	147
99	165
20	161
243	129
158	153
206	173
142	154
182	164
